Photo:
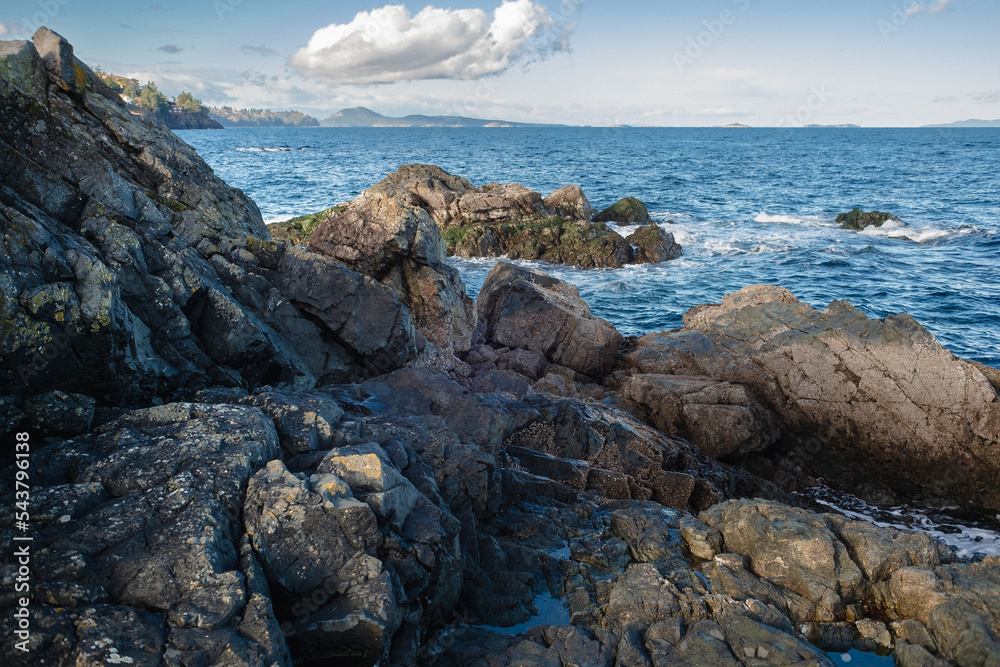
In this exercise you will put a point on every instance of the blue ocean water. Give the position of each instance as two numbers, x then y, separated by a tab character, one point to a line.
748	205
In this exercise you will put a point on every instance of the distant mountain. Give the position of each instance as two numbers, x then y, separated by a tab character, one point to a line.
362	117
230	117
972	122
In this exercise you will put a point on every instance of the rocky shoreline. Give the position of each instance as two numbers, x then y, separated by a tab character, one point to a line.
249	452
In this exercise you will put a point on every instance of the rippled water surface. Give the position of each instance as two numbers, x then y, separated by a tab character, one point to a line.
749	206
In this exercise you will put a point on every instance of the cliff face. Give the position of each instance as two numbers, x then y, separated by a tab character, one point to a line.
126	266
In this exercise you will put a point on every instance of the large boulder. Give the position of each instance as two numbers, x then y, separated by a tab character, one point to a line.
722	419
571	201
388	234
530	310
653	245
883	392
627	211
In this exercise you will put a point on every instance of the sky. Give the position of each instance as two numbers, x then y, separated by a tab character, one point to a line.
764	63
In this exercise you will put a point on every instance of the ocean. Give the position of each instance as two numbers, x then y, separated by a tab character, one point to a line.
747	205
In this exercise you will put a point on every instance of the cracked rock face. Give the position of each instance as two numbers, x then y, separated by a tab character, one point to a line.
530	310
883	392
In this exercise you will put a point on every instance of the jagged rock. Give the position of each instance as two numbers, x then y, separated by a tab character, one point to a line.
721	419
704	541
126	265
386	233
571	201
627	211
883	392
653	245
530	310
794	549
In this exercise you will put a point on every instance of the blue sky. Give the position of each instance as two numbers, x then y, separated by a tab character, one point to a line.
595	62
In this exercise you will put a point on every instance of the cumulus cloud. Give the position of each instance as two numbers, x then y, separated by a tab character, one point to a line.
259	50
388	44
170	48
928	7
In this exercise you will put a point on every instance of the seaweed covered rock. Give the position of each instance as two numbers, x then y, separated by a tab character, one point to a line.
653	245
858	220
627	211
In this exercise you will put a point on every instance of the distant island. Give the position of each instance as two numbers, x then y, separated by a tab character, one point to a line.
229	117
972	122
732	125
362	117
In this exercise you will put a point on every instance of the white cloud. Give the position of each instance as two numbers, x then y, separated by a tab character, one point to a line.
928	7
388	44
8	29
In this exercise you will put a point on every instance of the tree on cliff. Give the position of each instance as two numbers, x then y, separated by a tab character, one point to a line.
189	103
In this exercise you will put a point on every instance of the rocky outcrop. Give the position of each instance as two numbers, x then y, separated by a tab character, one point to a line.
129	270
491	221
387	234
530	310
653	245
858	220
628	211
883	392
398	516
722	419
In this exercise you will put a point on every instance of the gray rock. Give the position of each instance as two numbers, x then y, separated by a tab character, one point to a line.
720	418
529	310
883	392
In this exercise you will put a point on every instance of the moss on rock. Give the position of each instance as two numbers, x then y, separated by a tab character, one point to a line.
857	219
628	211
298	230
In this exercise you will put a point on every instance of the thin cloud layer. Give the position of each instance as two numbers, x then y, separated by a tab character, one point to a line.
388	44
928	7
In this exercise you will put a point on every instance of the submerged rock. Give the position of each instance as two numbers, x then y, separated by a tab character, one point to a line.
858	220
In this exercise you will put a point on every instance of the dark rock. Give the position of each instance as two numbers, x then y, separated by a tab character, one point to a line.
59	412
653	245
858	220
628	211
